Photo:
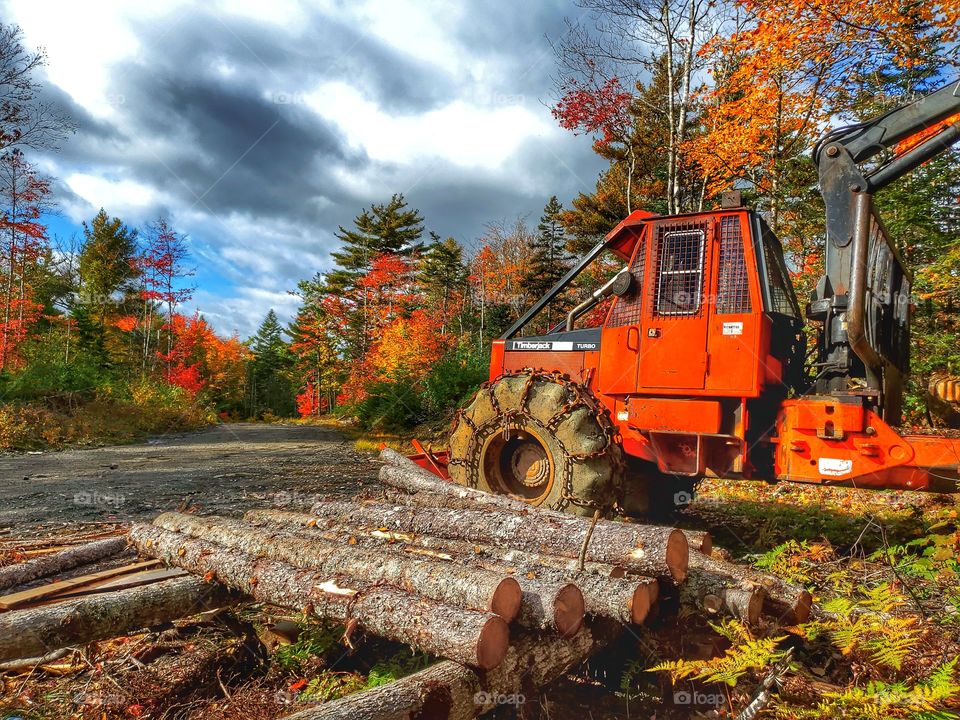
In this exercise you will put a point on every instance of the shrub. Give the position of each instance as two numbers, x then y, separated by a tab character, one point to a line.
390	405
454	379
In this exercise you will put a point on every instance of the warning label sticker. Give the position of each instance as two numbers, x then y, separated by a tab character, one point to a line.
834	467
733	328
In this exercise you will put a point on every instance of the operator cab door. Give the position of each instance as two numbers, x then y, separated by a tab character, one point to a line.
673	339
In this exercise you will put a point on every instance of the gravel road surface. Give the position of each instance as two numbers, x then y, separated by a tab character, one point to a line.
225	469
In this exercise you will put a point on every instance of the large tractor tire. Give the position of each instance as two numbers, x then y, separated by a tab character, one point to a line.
542	438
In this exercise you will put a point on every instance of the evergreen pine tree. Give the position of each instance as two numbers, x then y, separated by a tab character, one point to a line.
107	271
550	260
270	386
442	272
385	228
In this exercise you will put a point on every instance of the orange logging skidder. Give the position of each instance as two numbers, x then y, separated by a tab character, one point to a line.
698	369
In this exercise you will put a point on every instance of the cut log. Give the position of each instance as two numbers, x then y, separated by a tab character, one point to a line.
716	594
467	636
36	632
788	603
627	600
448	691
376	537
700	541
484	590
409	484
557	606
649	550
14	575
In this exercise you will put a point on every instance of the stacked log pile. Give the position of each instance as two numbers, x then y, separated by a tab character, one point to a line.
446	580
509	595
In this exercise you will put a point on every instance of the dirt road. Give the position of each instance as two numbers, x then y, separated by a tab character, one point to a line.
225	469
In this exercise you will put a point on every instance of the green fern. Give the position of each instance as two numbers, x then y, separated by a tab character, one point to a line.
865	624
745	654
877	700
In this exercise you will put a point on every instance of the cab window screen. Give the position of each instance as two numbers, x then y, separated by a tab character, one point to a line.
680	272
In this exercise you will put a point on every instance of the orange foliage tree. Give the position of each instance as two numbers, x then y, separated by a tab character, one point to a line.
789	71
23	239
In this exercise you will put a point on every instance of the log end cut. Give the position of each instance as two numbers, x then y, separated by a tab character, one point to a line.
802	607
506	599
568	610
493	643
640	604
678	555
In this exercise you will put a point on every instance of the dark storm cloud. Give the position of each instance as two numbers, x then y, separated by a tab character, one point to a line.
210	114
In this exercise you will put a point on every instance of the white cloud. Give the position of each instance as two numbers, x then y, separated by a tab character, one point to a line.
244	310
459	132
82	41
122	197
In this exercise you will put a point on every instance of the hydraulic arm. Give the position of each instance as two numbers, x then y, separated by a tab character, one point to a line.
863	297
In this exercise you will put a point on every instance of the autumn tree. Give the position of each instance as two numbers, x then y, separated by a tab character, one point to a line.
23	243
163	268
634	179
382	238
618	43
314	347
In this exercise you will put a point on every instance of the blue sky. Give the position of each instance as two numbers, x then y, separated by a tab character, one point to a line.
257	128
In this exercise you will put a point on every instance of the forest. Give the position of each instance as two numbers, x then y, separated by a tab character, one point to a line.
95	341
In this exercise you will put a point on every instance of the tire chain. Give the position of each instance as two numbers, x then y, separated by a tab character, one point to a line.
581	395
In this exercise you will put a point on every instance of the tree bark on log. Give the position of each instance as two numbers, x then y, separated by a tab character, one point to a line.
38	631
22	573
409	484
700	541
606	592
448	691
483	590
789	603
467	636
333	531
716	594
649	550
